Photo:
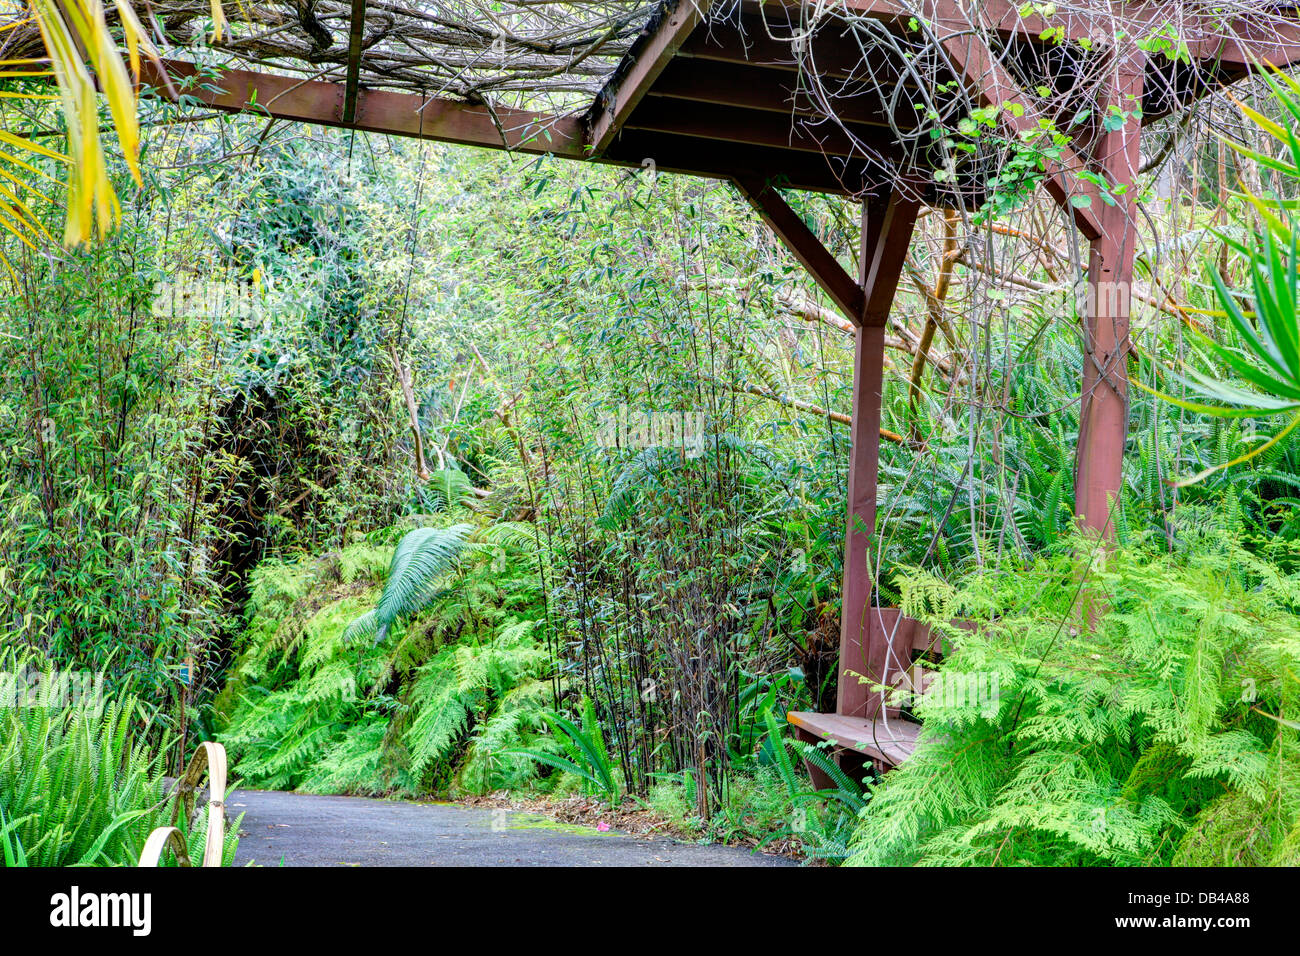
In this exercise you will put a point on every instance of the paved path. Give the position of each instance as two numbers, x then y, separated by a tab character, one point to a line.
294	829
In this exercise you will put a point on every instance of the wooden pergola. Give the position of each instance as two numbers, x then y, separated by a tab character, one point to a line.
729	97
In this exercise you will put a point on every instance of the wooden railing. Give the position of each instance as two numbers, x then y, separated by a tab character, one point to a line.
212	758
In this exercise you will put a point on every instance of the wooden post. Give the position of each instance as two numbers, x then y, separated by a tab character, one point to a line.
1103	413
887	223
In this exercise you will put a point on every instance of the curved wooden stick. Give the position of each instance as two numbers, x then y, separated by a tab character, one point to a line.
159	840
211	757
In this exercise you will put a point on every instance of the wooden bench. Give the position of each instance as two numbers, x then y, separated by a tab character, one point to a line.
869	729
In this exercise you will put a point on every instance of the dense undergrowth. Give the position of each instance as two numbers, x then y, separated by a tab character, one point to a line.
464	695
427	707
1147	717
81	781
459	514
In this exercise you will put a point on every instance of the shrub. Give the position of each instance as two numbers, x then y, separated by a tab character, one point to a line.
1163	732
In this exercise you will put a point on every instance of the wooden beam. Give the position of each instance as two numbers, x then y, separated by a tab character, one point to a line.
1103	412
754	87
887	223
886	232
691	155
804	244
352	83
991	85
768	42
401	114
377	111
1204	31
1252	44
647	60
760	128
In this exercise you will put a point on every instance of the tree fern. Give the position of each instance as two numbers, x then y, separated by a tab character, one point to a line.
422	557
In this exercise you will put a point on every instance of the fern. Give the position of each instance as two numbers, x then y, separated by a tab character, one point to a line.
318	713
73	789
1136	741
422	557
583	752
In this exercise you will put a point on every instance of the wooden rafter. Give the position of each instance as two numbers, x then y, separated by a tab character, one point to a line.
352	83
615	105
755	87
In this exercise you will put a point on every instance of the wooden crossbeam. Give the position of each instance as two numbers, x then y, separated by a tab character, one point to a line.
1266	37
648	59
991	85
769	43
804	244
407	114
378	111
754	87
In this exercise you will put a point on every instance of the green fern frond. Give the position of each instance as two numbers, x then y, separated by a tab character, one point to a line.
422	557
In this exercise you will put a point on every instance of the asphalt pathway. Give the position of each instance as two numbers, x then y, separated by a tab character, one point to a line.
295	829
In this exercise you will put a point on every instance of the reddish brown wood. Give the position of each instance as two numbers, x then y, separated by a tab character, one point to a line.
1103	413
754	87
821	780
352	83
1009	19
807	248
880	652
400	114
889	742
886	230
696	156
768	42
615	105
990	84
729	124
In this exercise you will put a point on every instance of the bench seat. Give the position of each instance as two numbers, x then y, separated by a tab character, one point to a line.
886	743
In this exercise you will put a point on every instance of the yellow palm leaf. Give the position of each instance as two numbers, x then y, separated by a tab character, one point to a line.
83	54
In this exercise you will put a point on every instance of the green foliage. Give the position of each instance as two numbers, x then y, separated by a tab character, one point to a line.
1266	352
422	557
581	752
822	820
460	681
1146	737
74	788
164	474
